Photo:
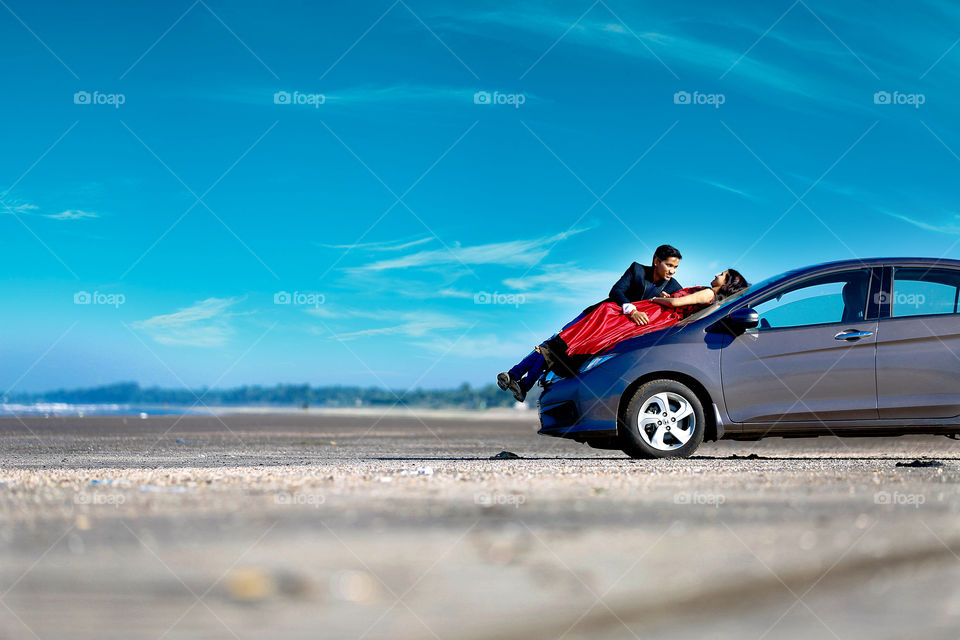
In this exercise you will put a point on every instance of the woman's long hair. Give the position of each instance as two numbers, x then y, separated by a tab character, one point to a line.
735	283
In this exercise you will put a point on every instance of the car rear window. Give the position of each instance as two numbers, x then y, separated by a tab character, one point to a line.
925	292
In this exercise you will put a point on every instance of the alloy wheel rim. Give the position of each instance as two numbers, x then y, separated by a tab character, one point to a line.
666	421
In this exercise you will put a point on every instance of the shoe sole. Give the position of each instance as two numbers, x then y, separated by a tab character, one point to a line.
507	384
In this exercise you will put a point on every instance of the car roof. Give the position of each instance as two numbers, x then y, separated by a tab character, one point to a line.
838	265
873	262
867	262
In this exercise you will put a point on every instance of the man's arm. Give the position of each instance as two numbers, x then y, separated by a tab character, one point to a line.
619	295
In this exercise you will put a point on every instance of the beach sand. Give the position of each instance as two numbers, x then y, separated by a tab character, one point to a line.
370	526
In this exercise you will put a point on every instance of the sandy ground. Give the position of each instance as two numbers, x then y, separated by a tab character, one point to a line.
340	526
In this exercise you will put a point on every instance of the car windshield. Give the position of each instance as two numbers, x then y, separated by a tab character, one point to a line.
703	313
726	302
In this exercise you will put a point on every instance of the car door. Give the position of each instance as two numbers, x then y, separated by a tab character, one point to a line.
918	346
813	356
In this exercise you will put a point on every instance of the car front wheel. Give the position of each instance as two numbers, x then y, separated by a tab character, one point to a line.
664	419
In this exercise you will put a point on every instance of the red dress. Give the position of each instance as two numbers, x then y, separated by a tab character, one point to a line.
607	324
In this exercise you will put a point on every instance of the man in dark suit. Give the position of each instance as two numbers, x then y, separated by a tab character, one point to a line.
641	282
638	283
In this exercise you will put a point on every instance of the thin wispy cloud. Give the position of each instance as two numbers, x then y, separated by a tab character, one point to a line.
564	283
29	209
324	313
413	325
449	292
394	245
950	226
513	253
73	214
24	209
845	190
727	188
203	324
479	347
600	29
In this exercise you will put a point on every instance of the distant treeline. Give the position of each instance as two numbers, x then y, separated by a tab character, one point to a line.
289	395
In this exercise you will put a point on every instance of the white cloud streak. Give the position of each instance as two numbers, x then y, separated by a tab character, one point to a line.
602	32
513	253
72	214
29	209
951	226
203	324
396	245
727	188
414	325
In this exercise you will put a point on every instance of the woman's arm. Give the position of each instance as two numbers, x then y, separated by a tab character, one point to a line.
704	296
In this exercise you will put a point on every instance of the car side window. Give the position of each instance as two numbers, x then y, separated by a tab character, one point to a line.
837	297
925	292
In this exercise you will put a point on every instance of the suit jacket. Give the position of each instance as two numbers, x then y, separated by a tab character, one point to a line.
636	283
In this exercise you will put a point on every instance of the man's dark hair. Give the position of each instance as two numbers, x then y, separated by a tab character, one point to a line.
665	251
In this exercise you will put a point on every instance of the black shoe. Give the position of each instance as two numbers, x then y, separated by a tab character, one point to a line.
508	383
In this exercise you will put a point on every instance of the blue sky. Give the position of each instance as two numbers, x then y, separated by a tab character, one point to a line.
441	184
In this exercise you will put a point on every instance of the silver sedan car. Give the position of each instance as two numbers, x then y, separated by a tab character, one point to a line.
853	348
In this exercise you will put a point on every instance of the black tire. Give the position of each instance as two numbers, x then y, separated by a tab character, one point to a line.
674	441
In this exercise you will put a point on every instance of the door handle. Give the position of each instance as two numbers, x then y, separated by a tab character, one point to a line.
852	334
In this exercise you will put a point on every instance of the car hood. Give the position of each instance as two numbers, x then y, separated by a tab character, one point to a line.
647	340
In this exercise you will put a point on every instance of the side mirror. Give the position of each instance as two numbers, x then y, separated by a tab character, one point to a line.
738	321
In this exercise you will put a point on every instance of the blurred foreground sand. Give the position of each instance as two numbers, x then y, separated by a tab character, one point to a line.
339	526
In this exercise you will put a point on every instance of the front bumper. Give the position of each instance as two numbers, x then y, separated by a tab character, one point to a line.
582	407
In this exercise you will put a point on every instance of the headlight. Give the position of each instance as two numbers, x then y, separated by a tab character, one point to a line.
595	362
550	378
